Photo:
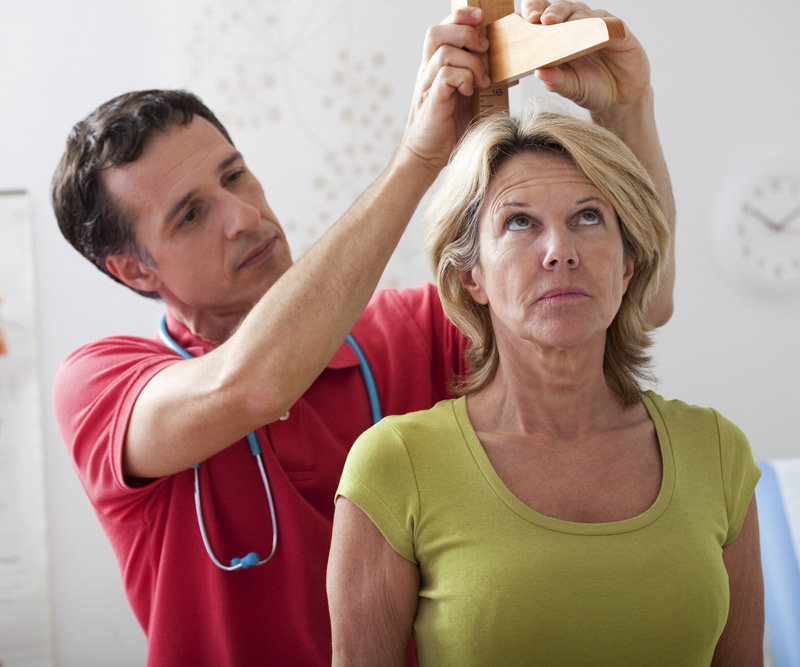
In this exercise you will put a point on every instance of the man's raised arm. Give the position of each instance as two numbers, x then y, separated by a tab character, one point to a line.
203	405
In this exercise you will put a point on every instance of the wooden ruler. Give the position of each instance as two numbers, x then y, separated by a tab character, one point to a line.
494	98
517	48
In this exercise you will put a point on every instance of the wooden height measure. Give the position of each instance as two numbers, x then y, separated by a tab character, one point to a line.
495	97
517	48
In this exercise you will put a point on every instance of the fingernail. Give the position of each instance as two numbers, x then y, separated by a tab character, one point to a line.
484	42
477	13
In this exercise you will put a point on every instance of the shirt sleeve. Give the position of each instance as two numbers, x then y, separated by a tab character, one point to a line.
93	395
447	343
739	474
378	477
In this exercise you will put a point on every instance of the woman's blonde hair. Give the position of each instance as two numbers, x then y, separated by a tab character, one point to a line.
452	218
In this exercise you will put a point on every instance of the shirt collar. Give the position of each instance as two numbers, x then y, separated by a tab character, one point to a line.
344	357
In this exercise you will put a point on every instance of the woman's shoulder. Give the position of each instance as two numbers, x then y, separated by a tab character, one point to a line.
441	414
678	413
413	430
696	429
410	435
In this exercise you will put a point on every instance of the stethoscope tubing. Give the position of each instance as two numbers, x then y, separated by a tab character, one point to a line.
247	561
252	559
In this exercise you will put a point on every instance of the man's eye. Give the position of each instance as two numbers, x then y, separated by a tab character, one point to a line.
189	217
517	222
235	176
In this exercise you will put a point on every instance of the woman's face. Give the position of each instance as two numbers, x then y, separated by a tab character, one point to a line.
551	264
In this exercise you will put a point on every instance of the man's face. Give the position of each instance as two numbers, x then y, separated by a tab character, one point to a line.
202	217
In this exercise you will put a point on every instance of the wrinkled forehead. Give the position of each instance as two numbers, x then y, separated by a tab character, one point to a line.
533	174
536	166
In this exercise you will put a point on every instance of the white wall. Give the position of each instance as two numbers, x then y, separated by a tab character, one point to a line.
308	89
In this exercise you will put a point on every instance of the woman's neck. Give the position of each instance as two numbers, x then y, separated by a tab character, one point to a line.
535	390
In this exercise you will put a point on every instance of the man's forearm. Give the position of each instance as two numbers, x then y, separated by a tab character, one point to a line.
321	297
284	342
201	406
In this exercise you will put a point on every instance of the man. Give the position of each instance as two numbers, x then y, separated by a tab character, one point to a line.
152	190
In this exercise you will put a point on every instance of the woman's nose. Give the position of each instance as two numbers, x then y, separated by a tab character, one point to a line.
560	249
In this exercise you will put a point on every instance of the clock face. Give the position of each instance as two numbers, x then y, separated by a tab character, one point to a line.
758	227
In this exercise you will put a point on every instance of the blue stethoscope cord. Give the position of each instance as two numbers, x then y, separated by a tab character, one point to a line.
252	559
369	380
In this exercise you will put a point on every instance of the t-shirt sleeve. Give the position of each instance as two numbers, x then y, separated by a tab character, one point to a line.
739	474
378	477
93	394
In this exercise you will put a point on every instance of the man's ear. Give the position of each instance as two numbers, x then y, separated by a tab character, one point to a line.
133	272
473	283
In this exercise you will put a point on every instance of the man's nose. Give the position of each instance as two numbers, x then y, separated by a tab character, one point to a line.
239	217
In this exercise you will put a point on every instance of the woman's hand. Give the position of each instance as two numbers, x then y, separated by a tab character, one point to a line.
618	74
613	83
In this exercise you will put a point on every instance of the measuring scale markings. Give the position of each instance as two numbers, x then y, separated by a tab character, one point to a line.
491	98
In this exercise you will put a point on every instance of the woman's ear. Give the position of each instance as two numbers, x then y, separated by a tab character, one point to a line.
628	273
133	272
472	281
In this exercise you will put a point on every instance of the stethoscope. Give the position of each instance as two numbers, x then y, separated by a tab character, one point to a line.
252	559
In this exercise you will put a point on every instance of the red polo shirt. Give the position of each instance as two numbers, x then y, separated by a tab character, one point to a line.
192	612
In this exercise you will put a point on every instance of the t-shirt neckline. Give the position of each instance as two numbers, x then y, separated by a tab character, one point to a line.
527	513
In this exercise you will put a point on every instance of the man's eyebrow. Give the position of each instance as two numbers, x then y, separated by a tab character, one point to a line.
183	201
229	161
178	206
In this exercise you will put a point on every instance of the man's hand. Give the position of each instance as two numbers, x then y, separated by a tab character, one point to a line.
614	76
450	70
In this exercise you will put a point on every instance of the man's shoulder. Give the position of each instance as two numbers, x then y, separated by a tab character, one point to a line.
102	363
110	348
421	297
410	314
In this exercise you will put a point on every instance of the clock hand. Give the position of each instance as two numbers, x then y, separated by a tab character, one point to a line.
752	210
788	218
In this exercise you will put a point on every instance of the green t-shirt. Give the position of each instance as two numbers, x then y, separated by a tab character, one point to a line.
501	584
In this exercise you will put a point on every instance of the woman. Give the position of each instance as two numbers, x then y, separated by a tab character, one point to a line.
554	513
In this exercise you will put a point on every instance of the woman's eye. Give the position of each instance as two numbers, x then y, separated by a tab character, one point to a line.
590	217
518	222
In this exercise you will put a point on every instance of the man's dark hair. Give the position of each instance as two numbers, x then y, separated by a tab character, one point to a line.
112	135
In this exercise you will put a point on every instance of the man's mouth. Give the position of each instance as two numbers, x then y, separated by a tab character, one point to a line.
259	254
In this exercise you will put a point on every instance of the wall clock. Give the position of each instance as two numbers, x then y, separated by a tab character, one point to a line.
756	232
